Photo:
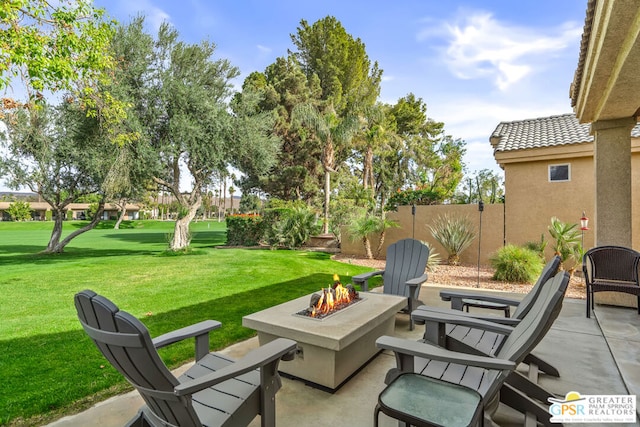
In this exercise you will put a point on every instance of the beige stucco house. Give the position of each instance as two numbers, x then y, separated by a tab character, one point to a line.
549	171
74	210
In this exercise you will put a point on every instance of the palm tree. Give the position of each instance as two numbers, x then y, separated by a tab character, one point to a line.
364	225
361	227
231	191
332	132
567	237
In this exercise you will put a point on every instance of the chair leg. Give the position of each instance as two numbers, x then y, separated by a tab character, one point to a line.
545	367
139	420
517	400
528	387
588	300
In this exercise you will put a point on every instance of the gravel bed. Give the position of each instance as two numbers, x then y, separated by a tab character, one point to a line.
467	276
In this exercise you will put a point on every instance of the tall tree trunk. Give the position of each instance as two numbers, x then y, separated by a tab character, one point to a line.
327	199
123	212
181	237
56	246
367	247
367	170
56	233
224	199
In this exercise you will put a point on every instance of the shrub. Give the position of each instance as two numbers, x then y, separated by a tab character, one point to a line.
454	234
537	247
19	211
516	264
244	230
296	226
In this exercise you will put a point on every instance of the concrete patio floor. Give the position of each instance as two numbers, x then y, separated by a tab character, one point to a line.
600	355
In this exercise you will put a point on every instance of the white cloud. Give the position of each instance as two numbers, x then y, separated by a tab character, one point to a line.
154	16
264	49
480	46
475	119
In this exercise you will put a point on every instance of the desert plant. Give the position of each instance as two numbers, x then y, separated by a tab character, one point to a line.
455	234
567	237
363	225
296	226
538	246
434	257
516	264
360	229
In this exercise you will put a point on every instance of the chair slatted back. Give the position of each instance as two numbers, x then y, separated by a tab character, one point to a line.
530	331
549	270
612	263
406	259
125	342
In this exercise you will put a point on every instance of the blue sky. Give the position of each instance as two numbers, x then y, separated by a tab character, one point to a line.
475	63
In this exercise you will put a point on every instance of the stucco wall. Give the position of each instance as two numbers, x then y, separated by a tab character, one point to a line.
532	200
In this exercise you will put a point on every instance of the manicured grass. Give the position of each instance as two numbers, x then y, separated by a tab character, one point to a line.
47	364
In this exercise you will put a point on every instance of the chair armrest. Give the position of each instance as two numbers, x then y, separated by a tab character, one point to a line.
270	353
495	319
199	331
456	298
363	279
454	317
417	280
428	351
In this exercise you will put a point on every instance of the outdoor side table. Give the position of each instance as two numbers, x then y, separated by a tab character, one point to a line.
428	402
468	302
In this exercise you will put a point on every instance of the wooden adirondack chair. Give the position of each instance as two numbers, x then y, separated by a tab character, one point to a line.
444	379
473	341
403	273
216	391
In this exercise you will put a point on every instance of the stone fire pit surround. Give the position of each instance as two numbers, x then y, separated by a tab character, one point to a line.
331	350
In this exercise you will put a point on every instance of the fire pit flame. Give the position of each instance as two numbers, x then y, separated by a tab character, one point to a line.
331	299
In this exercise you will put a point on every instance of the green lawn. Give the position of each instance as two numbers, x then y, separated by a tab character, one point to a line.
47	364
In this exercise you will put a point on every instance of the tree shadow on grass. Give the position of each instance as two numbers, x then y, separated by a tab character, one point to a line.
44	374
198	238
157	242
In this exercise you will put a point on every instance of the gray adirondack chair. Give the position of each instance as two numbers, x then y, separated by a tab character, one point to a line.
403	274
611	269
216	391
473	341
471	375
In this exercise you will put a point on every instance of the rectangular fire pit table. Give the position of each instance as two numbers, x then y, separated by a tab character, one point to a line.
331	349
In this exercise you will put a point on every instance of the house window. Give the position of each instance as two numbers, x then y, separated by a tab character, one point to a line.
559	173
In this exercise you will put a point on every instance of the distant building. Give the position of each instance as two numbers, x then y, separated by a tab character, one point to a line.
75	210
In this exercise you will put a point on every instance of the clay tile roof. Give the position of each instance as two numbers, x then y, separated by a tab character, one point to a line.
543	132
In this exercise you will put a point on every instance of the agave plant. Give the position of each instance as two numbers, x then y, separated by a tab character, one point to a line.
455	234
434	257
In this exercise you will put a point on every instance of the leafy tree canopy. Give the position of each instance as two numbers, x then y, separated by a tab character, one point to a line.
346	75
